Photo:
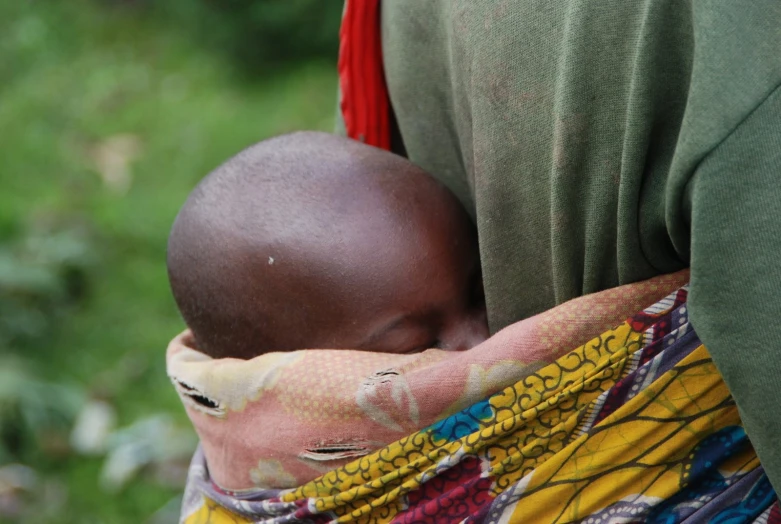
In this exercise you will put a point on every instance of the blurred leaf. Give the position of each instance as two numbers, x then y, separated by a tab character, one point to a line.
92	428
23	489
32	409
40	273
112	158
20	277
15	480
156	439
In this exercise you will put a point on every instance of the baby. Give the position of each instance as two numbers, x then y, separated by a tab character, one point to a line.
310	240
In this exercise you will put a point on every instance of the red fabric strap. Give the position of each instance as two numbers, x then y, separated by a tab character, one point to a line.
364	103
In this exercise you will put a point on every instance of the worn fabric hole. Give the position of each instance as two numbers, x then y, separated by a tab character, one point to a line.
197	400
204	401
333	449
328	452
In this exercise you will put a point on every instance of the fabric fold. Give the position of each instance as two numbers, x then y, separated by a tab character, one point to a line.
282	419
633	425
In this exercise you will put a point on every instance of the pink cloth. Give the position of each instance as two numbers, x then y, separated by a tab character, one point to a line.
283	419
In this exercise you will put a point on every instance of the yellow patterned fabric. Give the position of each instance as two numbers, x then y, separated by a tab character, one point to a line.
212	513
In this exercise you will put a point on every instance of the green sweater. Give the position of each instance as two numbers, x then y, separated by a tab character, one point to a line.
601	142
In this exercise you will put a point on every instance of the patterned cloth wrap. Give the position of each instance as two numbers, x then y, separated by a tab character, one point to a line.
635	425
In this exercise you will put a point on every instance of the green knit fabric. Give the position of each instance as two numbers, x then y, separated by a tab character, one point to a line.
598	143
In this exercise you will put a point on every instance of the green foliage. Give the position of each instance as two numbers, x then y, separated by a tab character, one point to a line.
35	415
41	274
111	112
262	33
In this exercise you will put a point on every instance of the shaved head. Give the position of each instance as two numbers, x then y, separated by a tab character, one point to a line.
308	240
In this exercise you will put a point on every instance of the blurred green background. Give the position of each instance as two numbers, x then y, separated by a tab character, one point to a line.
110	112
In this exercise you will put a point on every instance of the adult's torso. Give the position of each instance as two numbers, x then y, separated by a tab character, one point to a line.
556	123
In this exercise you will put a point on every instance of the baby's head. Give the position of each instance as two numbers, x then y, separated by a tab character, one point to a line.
310	240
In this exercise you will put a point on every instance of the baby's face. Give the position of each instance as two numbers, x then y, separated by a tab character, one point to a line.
433	298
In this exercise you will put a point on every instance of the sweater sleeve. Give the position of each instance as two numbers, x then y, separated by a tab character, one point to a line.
734	199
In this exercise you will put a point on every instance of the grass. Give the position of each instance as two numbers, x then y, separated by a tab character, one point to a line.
108	119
